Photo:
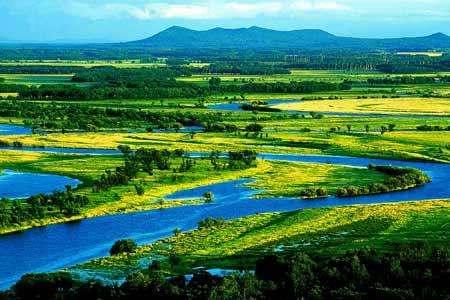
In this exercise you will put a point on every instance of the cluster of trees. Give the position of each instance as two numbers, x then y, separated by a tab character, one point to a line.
84	117
128	76
415	64
236	160
294	87
408	272
256	107
409	80
343	60
156	89
12	88
220	127
123	246
161	89
360	61
16	212
240	68
241	159
432	128
211	223
398	179
15	144
145	160
314	192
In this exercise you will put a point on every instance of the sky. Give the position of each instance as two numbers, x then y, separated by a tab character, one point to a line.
126	20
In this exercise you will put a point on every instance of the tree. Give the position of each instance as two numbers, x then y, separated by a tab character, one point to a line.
124	149
177	231
123	246
214	83
391	127
140	190
254	128
208	196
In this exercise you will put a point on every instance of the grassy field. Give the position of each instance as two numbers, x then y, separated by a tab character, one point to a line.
421	106
40	79
423	146
5	95
240	242
123	198
324	231
301	75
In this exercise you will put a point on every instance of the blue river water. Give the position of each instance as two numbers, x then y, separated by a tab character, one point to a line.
237	107
6	129
14	185
57	246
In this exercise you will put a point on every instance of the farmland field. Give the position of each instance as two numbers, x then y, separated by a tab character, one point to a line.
145	170
374	106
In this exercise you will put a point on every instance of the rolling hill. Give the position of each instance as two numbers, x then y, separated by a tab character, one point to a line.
261	38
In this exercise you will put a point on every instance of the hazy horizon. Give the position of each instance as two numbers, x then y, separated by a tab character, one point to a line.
126	20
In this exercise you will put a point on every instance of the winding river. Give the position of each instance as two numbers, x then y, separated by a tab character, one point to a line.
57	246
16	185
7	129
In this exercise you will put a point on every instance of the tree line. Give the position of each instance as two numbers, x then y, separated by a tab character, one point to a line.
17	212
242	68
398	179
235	160
85	117
409	80
408	272
165	88
432	128
294	87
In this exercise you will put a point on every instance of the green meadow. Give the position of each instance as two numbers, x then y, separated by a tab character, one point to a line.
328	124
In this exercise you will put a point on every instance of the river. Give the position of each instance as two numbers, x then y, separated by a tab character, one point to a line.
57	246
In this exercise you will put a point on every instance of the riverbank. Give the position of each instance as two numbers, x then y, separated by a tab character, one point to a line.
325	231
124	199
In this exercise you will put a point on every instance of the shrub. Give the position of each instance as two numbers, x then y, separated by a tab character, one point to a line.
123	246
139	189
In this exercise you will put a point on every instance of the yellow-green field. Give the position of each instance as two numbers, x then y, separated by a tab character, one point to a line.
276	178
425	146
401	106
325	230
430	54
30	79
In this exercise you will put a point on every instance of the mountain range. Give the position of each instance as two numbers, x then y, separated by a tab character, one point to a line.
261	38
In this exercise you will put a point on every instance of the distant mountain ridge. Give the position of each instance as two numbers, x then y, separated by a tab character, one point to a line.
261	38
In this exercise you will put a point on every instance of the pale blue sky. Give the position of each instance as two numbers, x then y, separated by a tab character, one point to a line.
123	20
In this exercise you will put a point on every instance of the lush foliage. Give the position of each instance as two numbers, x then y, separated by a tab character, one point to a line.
399	178
15	212
123	246
412	271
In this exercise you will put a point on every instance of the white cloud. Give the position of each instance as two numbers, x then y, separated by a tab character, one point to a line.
253	9
200	10
184	11
106	11
304	5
